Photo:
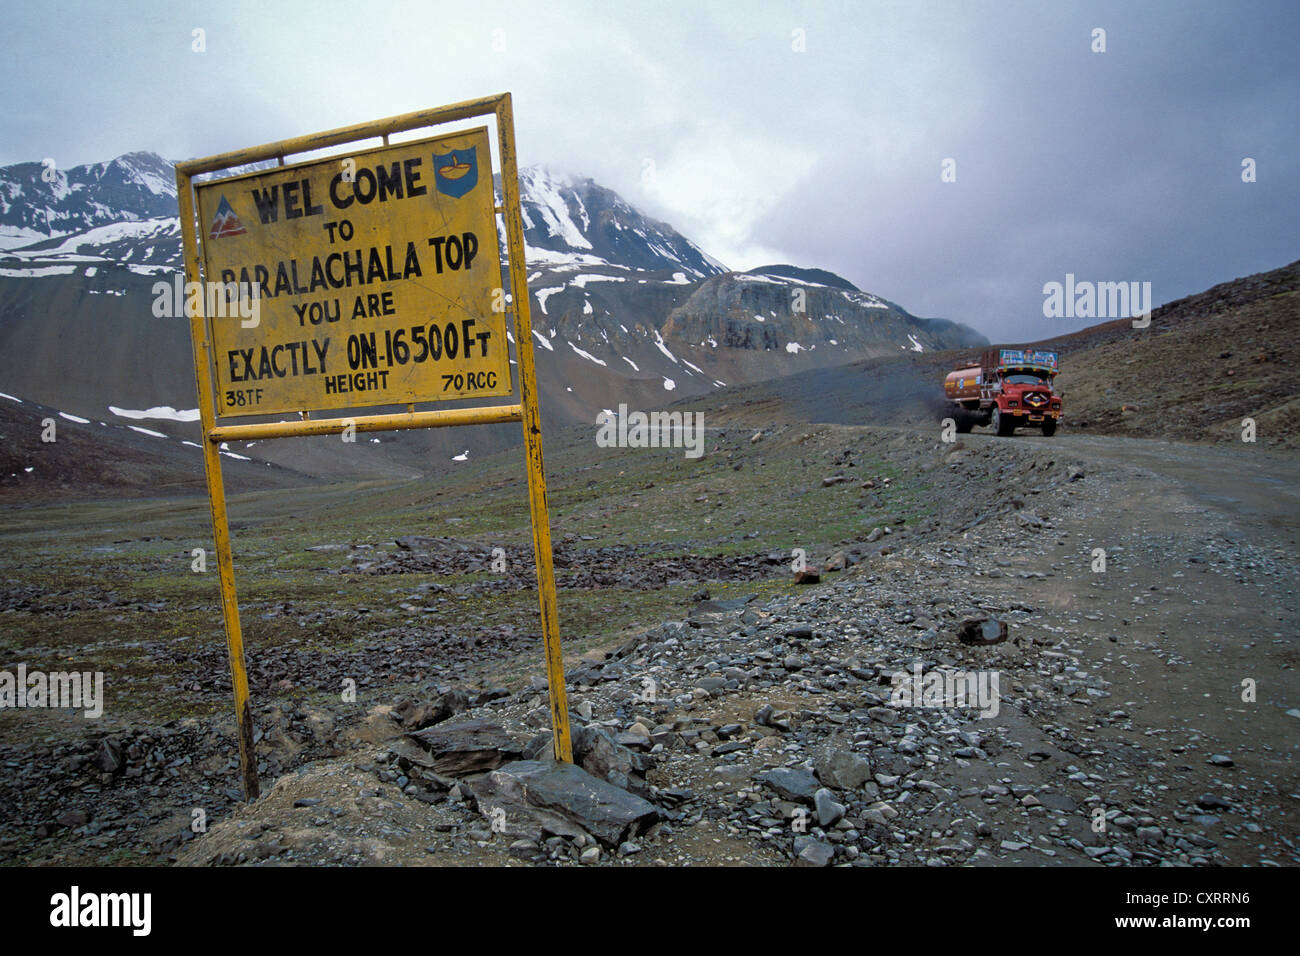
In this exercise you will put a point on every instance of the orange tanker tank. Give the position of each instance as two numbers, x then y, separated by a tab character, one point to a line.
963	383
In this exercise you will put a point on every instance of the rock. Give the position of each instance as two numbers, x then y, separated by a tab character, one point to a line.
1208	801
471	746
834	480
798	786
419	542
810	852
590	855
884	715
807	576
982	631
835	562
413	714
72	818
829	812
842	769
108	756
596	752
307	802
709	607
540	747
540	797
756	438
1221	760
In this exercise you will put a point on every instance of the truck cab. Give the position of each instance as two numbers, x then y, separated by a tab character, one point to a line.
1006	389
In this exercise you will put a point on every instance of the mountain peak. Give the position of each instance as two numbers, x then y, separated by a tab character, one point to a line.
574	215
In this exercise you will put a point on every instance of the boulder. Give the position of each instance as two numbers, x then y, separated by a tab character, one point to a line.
532	799
842	769
811	852
471	746
797	786
414	714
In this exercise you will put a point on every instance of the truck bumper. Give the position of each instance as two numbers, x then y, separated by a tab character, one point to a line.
1033	418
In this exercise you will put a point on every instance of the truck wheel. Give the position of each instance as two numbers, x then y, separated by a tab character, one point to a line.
1049	427
1003	425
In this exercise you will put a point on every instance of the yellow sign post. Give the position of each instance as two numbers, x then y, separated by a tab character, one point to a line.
371	278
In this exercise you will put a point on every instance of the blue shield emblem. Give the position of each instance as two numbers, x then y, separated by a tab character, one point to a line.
456	172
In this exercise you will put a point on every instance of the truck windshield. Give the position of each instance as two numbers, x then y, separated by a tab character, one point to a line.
1023	378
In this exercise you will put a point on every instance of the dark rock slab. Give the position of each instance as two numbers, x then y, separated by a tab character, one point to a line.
532	799
471	746
415	714
798	786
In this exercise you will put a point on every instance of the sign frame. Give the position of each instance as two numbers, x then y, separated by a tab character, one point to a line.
525	411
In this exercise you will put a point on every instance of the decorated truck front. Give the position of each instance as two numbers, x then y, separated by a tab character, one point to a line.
1006	389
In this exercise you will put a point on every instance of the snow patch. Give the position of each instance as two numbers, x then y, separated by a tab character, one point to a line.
587	355
659	344
163	412
36	272
544	294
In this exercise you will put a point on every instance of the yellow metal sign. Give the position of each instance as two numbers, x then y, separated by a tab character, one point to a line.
393	312
377	279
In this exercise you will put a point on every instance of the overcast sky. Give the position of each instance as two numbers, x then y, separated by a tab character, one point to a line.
811	133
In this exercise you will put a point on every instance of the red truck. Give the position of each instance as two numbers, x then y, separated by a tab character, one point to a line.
1006	389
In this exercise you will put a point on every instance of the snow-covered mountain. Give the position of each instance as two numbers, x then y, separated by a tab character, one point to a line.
40	201
625	309
567	216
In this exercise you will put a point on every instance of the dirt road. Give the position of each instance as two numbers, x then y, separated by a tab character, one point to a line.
1194	612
